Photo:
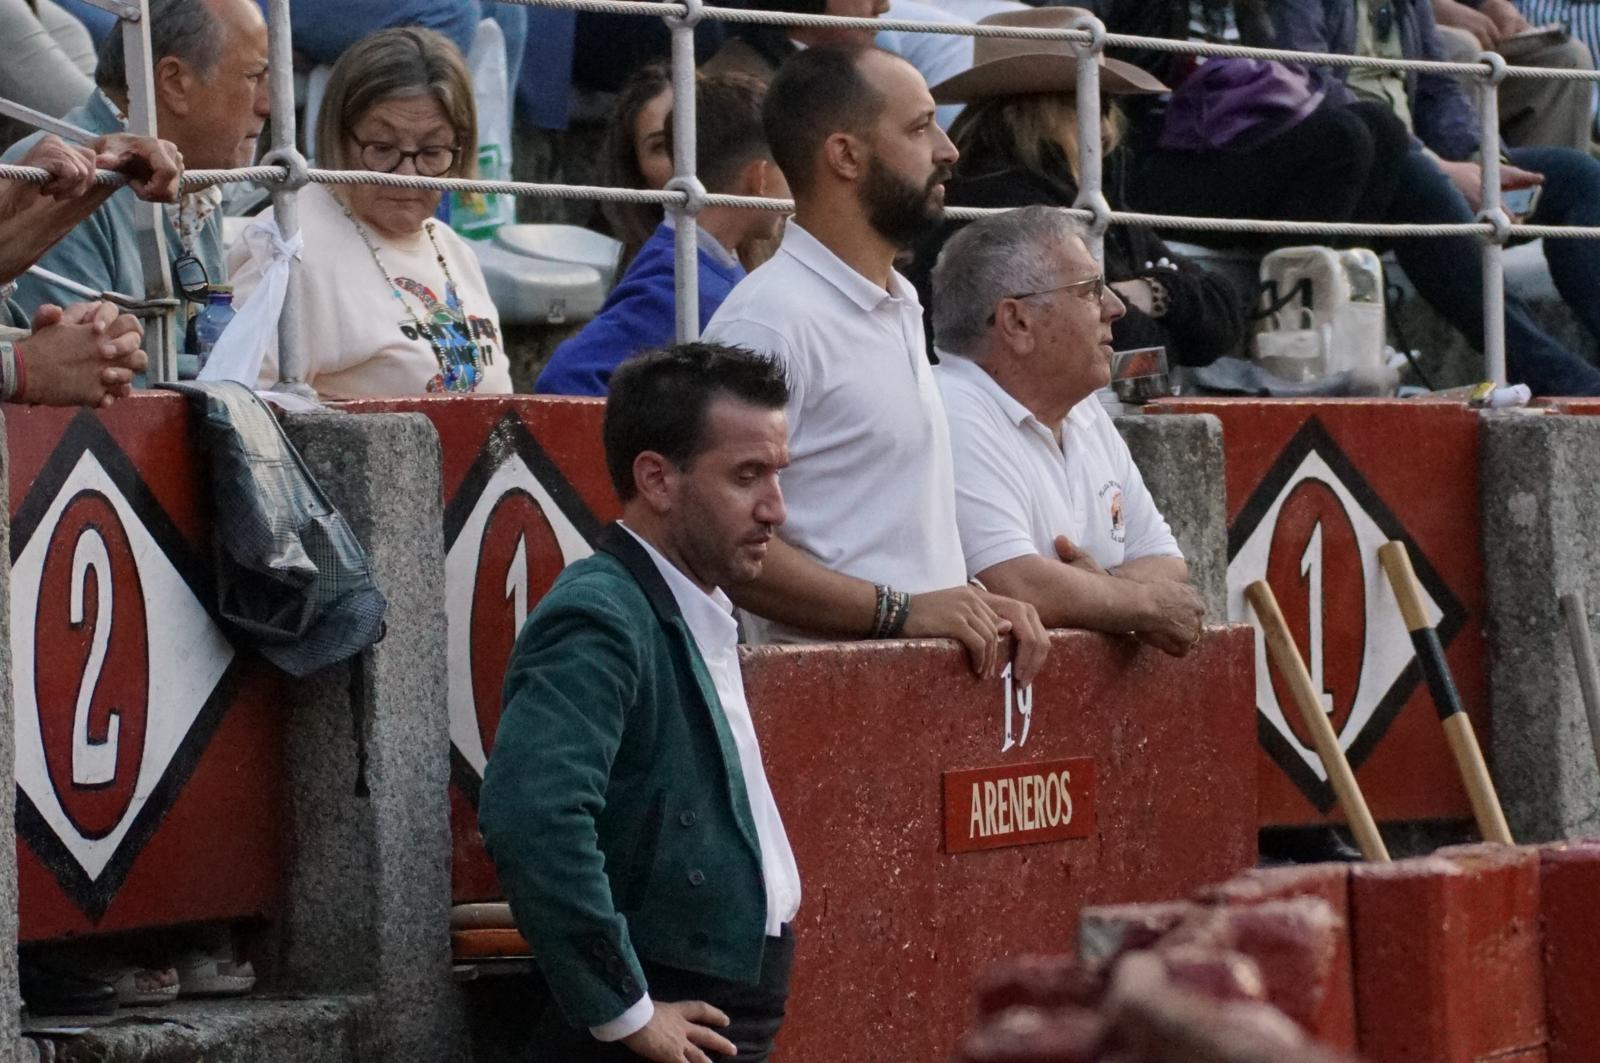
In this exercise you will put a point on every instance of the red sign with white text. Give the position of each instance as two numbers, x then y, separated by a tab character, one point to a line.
1018	804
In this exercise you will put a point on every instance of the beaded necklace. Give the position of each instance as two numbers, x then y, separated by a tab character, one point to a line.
454	374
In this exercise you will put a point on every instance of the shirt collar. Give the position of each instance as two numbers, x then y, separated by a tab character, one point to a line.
811	253
709	616
708	243
965	369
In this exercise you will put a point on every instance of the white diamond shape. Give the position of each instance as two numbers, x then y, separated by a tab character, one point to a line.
461	578
1387	650
188	655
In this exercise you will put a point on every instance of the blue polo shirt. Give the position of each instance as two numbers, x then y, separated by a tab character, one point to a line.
639	314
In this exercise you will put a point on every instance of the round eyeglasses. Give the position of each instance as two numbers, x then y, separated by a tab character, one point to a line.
433	160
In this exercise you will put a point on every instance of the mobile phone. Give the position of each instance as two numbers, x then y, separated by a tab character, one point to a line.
1519	202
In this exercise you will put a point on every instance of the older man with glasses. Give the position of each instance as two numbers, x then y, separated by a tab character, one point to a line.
1051	508
210	79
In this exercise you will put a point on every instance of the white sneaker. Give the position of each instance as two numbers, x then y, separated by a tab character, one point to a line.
201	975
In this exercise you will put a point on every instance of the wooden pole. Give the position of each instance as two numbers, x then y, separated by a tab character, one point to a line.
1457	725
1576	612
1284	653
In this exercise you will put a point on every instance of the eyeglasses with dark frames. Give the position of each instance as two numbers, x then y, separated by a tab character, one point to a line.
1096	285
431	160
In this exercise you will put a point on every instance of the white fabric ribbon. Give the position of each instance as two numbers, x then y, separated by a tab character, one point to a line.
242	347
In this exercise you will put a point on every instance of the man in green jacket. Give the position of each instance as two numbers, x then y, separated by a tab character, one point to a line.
625	804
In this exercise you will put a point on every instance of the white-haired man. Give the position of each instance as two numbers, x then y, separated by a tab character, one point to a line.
1051	508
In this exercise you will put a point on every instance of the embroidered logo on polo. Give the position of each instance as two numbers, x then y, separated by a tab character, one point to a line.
513	525
1312	529
119	671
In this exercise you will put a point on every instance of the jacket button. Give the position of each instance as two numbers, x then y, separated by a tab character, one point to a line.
629	986
697	877
687	818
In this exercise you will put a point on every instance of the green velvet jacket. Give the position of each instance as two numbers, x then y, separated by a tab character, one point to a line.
613	803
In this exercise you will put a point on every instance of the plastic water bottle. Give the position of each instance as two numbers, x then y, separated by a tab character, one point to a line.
213	319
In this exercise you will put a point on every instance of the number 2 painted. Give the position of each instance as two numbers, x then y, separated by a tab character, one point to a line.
93	763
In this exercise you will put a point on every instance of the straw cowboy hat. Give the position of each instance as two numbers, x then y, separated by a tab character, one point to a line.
1004	66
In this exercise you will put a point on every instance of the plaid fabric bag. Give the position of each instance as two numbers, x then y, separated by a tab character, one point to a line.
292	581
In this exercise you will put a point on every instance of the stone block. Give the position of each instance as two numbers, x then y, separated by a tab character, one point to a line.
1180	458
1447	957
1328	1010
1569	909
1541	504
1106	931
367	896
255	1030
10	1000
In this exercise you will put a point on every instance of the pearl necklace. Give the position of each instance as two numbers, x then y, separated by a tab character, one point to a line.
455	374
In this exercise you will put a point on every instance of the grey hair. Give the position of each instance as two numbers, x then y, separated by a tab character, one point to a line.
989	259
186	29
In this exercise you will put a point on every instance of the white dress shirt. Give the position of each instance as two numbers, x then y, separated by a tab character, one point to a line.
870	487
1017	489
716	636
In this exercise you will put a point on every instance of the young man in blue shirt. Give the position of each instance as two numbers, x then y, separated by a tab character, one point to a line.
733	159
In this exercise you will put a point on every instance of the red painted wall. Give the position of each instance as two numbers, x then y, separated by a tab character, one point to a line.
1313	488
148	748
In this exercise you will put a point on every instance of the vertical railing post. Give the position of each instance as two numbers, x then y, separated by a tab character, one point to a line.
1493	212
686	243
286	197
161	334
1090	195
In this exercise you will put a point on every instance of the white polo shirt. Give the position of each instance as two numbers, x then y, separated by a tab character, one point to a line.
1016	490
870	487
716	636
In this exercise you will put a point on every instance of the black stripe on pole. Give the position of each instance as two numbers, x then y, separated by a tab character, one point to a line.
1443	688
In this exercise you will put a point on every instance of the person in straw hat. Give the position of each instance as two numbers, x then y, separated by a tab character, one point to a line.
1018	138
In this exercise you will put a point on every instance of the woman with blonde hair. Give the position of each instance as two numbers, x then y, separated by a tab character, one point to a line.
391	301
1018	137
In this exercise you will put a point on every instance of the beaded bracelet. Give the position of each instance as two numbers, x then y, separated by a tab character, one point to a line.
13	372
899	612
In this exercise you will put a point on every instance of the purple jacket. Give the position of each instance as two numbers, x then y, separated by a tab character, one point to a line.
1445	117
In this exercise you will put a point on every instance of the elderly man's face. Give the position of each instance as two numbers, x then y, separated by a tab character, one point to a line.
225	111
1072	327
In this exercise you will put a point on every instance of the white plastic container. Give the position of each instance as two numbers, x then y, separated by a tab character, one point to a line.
1331	319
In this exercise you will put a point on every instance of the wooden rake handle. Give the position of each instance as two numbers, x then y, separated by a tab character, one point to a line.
1457	726
1284	653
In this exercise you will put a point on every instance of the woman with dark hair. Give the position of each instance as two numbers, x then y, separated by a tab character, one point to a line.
635	154
1018	138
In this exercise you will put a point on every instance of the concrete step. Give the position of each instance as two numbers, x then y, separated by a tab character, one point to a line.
258	1029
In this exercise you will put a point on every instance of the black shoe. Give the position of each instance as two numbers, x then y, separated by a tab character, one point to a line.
1304	845
49	991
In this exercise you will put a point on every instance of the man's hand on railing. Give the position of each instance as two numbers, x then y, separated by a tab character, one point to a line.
34	217
84	355
153	167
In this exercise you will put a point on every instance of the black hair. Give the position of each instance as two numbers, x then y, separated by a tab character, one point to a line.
658	402
727	127
815	94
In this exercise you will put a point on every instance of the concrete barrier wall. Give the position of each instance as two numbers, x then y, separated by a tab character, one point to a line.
1181	460
1474	953
1541	512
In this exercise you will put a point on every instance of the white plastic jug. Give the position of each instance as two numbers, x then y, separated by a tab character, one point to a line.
1329	314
